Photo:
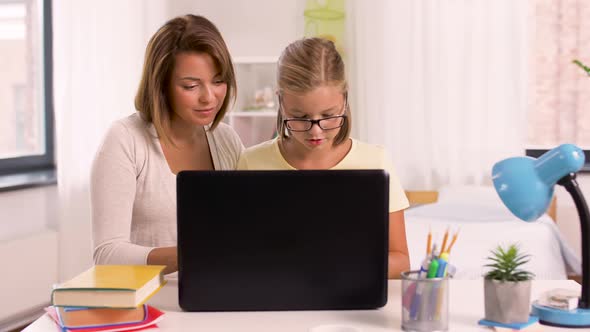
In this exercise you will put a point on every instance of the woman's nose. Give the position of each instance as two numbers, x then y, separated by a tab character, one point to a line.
206	94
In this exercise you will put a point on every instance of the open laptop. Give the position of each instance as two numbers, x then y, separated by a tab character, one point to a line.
282	240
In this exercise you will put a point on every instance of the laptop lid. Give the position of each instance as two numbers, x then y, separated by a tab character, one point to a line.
282	240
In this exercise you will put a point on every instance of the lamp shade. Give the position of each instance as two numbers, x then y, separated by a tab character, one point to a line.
525	184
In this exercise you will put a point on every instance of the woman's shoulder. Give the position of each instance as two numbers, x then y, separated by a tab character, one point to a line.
224	130
130	132
126	139
130	125
226	136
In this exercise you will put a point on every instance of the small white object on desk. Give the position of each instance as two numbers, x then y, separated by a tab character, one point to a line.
564	299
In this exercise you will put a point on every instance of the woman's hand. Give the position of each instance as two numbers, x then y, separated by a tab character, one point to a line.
164	256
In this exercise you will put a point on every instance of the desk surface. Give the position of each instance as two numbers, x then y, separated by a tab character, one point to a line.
466	308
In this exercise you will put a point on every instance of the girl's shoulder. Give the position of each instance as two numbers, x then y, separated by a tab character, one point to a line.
264	148
265	155
367	149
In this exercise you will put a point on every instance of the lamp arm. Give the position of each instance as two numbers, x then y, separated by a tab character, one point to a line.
571	185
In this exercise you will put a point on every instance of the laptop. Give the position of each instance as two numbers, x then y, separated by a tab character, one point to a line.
282	240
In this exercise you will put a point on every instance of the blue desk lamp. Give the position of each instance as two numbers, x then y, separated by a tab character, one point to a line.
525	185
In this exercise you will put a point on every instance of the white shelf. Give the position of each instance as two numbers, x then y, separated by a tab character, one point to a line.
258	113
254	74
255	60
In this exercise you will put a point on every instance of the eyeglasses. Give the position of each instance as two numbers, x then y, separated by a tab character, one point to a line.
327	123
331	122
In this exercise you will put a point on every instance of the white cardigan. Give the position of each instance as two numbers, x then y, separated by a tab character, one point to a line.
133	190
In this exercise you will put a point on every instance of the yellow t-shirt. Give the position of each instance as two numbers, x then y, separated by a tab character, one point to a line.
267	156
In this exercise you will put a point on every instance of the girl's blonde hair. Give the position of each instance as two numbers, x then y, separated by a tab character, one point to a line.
189	33
305	65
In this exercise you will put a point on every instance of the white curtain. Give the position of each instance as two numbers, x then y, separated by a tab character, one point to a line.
98	56
442	84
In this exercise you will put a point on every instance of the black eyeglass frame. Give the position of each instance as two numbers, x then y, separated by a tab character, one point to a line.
317	121
312	122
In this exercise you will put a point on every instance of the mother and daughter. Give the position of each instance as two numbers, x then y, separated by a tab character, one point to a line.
187	85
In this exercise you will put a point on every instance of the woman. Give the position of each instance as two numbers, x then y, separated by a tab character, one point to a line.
314	124
186	88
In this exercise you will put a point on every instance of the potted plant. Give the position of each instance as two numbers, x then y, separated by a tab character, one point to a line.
507	287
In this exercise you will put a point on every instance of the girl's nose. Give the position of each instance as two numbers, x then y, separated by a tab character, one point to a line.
315	128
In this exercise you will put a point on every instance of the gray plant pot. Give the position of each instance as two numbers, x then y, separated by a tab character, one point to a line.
507	302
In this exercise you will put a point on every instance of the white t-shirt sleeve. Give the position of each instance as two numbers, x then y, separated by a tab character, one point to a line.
397	196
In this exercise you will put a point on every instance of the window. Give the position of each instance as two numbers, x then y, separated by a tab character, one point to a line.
560	90
26	107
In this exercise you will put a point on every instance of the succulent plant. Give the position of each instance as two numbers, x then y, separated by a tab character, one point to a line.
506	264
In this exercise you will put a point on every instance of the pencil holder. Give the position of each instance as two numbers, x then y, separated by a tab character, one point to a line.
425	303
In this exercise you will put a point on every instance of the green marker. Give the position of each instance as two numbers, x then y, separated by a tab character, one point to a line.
433	268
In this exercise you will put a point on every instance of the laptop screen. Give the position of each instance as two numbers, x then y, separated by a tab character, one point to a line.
282	240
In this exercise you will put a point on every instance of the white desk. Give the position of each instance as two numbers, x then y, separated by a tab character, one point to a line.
466	308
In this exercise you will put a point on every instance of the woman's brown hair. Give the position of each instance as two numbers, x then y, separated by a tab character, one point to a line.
189	33
307	64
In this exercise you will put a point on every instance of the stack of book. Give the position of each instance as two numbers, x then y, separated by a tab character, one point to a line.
108	298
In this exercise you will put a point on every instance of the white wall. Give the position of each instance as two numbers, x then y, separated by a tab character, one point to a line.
28	252
249	27
27	211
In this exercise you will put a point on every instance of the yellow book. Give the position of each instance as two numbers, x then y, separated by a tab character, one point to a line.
114	286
